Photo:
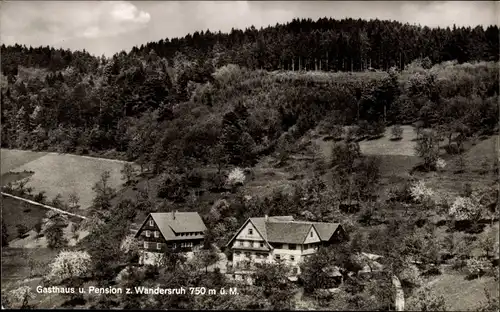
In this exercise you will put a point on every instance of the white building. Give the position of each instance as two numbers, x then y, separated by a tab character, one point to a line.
269	239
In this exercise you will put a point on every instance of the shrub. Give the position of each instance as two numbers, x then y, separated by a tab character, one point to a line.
40	197
236	177
427	149
38	228
377	129
127	172
217	181
421	193
20	297
477	267
465	208
194	178
55	238
425	300
336	131
172	186
397	132
57	201
21	230
352	133
440	164
70	264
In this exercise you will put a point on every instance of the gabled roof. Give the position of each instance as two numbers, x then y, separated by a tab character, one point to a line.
325	230
284	229
181	222
260	223
287	232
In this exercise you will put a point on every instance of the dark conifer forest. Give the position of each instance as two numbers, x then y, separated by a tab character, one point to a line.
177	92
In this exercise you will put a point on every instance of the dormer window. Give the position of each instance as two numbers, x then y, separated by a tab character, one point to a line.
148	234
151	223
250	231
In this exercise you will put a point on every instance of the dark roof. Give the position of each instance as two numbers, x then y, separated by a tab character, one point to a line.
325	230
287	232
183	222
260	223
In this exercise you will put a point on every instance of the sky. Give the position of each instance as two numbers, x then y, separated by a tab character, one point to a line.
102	27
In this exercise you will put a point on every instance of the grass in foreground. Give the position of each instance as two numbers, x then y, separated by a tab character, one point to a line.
18	212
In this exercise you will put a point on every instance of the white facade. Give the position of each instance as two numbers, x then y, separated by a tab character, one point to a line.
250	246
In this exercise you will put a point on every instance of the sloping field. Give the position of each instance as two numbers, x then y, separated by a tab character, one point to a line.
12	159
64	173
381	146
461	294
451	182
17	212
384	145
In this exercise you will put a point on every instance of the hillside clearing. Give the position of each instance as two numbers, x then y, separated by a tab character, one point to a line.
385	146
461	294
12	159
64	173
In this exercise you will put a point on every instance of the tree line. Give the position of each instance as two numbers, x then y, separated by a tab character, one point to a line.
302	44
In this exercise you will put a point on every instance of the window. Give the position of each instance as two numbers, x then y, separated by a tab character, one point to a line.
306	246
292	247
312	234
261	244
292	258
151	223
237	253
157	234
278	246
250	231
158	246
277	257
295	270
247	254
148	234
174	245
146	245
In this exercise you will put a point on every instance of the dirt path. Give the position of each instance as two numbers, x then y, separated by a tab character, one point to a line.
400	296
44	206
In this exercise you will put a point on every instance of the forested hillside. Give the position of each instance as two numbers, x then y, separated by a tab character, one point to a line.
272	122
203	99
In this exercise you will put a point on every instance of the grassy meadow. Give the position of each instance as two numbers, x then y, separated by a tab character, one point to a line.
62	173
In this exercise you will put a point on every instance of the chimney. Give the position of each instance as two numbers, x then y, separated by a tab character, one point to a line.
173	214
267	218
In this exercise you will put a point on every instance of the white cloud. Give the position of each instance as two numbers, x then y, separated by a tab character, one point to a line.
108	27
447	13
51	22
